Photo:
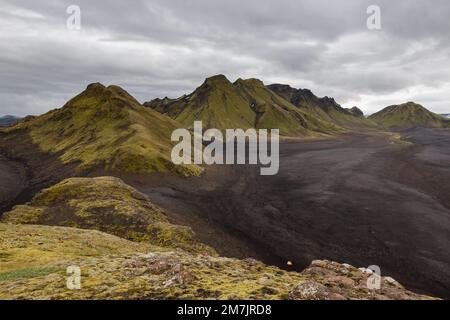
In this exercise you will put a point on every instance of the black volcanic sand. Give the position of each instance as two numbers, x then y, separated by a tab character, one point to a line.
363	199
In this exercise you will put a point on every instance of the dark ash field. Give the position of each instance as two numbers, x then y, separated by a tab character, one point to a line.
364	199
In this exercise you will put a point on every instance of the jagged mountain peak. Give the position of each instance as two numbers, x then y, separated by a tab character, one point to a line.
326	108
246	103
95	86
217	81
356	111
97	93
250	103
251	81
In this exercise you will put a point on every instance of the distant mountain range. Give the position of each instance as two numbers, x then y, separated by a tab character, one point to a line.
7	121
249	103
445	115
325	109
105	128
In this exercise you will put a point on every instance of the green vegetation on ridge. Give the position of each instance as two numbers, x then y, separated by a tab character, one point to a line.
326	109
274	112
409	114
106	128
35	260
218	103
32	247
106	204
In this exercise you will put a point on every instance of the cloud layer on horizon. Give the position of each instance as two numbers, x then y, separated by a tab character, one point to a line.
166	48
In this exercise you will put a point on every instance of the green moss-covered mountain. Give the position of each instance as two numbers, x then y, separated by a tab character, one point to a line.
325	109
218	103
106	204
105	128
272	111
409	114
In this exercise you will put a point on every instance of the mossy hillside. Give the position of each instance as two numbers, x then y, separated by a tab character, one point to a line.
106	128
409	114
27	250
180	275
218	103
106	204
159	104
35	259
273	111
325	109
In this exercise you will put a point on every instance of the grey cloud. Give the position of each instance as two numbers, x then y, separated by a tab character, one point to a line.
158	48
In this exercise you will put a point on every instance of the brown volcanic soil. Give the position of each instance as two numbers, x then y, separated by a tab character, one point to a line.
364	199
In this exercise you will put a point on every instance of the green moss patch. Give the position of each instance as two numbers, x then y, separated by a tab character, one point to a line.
26	273
106	204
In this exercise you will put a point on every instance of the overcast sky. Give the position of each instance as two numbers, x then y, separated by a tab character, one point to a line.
160	48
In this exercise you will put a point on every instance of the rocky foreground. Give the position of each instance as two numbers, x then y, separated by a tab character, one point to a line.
152	260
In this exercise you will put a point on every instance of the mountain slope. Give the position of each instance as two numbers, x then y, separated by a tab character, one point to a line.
216	102
104	128
272	111
106	204
326	109
243	104
355	111
409	114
